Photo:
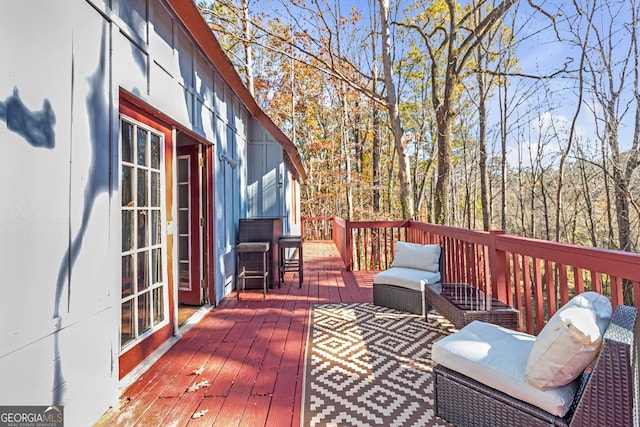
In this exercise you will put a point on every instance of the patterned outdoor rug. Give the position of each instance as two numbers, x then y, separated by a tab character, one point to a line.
369	365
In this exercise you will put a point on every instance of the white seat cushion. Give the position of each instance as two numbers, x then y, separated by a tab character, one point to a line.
497	357
409	278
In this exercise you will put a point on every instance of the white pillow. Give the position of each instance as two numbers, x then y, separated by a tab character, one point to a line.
569	341
420	257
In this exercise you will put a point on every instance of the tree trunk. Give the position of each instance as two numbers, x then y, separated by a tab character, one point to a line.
482	146
406	193
441	205
248	53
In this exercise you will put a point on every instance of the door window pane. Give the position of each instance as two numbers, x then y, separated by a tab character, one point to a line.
184	276
127	186
127	331
127	231
183	196
127	142
155	189
143	270
144	313
183	222
143	234
183	248
143	187
142	146
155	227
158	306
156	266
183	169
155	151
127	275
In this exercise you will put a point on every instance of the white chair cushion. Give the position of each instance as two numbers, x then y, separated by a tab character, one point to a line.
409	278
569	341
497	357
413	255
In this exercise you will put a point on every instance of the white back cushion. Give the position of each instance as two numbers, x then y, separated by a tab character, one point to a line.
569	341
414	255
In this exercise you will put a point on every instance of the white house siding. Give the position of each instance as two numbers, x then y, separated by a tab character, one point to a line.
270	184
63	65
59	245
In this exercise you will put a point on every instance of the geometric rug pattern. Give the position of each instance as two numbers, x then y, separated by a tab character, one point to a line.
368	365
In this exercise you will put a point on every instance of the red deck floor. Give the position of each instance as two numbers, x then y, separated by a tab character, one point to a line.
250	351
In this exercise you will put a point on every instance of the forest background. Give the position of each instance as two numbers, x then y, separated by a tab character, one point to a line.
521	116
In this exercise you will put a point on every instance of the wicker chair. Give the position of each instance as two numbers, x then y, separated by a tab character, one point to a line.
400	298
608	395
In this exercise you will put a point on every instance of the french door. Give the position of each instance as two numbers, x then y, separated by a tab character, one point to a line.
190	226
144	294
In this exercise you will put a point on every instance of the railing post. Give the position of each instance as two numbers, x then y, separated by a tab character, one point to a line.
498	267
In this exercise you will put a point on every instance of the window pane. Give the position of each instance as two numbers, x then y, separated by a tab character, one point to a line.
127	275
158	305
144	313
127	331
155	189
184	276
143	235
155	151
183	222
156	266
183	196
143	270
183	169
142	147
127	186
127	142
127	230
142	187
183	248
155	227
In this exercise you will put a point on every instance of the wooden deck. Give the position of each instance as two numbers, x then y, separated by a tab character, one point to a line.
251	352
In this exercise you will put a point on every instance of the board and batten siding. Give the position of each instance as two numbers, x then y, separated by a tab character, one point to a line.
60	217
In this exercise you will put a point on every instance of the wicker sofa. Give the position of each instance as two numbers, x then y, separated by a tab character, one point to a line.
607	392
413	268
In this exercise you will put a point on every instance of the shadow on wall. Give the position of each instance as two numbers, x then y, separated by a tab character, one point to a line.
34	126
37	128
98	182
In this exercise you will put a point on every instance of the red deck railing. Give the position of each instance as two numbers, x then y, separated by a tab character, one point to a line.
534	276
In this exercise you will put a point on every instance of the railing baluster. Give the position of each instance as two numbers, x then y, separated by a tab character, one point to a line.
517	285
526	273
596	282
551	288
616	291
579	280
538	294
563	283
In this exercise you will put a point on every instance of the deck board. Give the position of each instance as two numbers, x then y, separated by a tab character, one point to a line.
250	350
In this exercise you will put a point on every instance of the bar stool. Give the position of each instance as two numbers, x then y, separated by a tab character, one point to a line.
294	263
248	270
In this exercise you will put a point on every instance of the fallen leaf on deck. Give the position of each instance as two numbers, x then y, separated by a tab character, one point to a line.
198	386
200	413
197	371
